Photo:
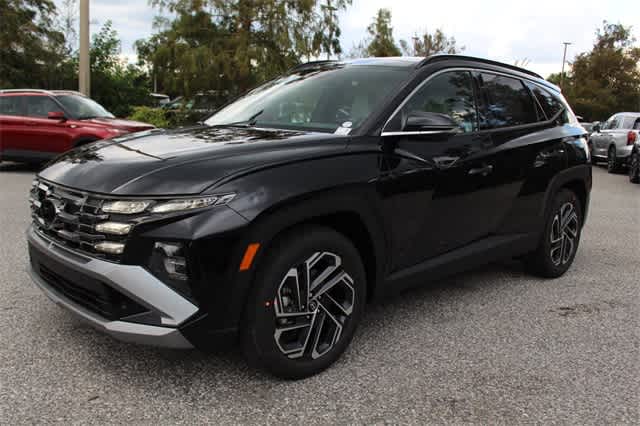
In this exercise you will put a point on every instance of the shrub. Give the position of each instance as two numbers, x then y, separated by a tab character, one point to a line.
155	116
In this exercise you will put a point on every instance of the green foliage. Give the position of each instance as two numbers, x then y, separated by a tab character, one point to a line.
155	116
605	80
30	47
430	44
231	45
381	35
115	85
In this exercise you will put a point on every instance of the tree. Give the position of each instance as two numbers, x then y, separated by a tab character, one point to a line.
118	86
381	42
606	79
430	44
31	47
241	42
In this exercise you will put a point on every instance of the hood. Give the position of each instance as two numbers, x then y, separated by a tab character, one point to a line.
181	162
118	123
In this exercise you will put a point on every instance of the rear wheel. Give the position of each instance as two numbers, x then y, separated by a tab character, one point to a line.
613	164
309	296
634	167
559	244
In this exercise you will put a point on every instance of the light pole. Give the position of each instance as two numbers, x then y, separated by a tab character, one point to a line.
564	59
84	75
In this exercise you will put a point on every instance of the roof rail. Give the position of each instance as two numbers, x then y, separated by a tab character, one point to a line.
25	90
313	64
443	56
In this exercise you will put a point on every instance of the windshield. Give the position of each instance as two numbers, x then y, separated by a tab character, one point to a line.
319	99
82	108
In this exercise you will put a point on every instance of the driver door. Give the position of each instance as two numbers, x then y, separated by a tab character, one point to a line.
439	177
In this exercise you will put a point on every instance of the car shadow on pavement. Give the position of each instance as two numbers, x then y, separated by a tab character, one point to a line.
149	367
20	167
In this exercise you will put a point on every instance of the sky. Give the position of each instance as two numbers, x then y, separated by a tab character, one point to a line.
501	30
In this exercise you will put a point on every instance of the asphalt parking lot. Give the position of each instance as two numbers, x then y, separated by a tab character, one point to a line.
491	346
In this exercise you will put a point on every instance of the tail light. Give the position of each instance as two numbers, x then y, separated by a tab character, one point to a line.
631	137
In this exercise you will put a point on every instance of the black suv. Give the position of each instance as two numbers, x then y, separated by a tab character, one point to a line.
275	222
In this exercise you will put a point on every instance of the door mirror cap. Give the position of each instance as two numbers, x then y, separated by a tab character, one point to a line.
425	121
56	115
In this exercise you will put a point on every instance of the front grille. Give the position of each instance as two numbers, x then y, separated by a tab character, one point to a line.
69	217
86	291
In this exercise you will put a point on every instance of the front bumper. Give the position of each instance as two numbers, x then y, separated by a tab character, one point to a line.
134	282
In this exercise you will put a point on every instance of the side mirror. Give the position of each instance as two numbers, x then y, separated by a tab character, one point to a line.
596	127
425	121
56	115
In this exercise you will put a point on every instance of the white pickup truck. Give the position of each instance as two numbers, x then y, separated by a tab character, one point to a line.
614	139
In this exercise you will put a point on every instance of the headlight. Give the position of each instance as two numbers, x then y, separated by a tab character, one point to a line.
125	207
191	203
114	228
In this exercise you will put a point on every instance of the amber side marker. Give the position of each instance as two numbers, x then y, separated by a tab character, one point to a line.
249	254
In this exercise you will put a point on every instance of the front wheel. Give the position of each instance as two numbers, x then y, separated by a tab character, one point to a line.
559	243
309	296
634	168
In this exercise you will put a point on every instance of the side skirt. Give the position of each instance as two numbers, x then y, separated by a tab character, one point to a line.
479	253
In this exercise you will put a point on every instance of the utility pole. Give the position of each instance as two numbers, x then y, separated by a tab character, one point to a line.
84	74
564	59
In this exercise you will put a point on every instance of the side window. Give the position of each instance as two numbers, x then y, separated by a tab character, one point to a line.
613	122
450	94
507	102
628	122
40	106
11	105
550	103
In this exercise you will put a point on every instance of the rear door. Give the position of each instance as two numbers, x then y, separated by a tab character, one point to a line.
605	136
42	134
12	122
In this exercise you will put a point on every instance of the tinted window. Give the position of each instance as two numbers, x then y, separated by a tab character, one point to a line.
11	105
40	106
551	104
448	93
317	98
507	102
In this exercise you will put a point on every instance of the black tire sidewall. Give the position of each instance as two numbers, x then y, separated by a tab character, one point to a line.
292	249
545	265
612	166
634	168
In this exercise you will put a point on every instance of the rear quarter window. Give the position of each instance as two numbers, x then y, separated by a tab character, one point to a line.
507	102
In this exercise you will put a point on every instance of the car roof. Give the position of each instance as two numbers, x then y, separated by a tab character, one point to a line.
419	62
40	92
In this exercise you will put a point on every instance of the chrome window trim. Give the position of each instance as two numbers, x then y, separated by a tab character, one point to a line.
435	74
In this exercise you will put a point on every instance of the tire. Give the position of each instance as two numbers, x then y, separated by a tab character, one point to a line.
613	164
325	319
634	168
559	243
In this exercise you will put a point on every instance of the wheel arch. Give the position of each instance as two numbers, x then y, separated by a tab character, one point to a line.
343	211
578	179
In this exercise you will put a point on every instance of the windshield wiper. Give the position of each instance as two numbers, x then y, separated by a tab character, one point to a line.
250	122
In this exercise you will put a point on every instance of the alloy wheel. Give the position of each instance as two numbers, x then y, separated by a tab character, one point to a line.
634	167
314	301
564	233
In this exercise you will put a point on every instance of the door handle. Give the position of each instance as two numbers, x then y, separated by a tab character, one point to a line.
484	170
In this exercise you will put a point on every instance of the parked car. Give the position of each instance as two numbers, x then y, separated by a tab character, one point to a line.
200	107
613	140
36	125
634	160
276	221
